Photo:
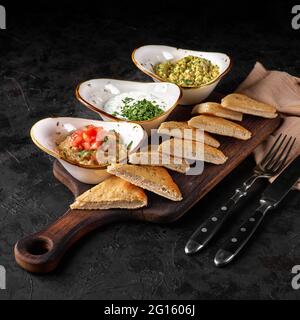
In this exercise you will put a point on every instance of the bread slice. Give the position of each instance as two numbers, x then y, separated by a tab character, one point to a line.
242	103
176	130
192	150
155	179
215	109
220	126
111	193
155	158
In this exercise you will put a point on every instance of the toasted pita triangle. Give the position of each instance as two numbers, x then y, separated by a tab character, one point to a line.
111	193
176	129
157	159
216	109
192	150
242	103
155	179
220	126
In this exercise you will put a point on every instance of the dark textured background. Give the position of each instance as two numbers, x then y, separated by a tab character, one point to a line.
45	52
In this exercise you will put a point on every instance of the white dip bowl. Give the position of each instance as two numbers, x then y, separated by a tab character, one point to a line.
146	57
95	93
47	133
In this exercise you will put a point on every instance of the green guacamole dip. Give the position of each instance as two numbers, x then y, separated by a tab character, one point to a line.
189	71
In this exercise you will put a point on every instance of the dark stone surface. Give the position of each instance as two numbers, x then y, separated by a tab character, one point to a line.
44	54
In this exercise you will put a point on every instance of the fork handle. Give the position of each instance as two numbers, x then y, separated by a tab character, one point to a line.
207	230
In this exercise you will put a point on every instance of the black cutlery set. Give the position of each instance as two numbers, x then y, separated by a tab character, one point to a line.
271	165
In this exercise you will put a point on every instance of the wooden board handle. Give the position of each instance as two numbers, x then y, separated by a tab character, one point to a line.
41	252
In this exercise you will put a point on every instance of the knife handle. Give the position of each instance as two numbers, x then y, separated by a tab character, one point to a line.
240	238
209	228
201	237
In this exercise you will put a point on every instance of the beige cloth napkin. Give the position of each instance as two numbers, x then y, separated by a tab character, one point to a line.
283	91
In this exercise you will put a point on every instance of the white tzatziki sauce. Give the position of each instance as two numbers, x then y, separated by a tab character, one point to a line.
115	104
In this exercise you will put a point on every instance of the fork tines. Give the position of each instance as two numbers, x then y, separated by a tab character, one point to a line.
277	156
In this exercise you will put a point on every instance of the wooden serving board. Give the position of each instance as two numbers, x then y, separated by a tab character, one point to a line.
42	251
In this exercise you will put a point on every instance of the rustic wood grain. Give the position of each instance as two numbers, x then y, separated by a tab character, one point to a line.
41	252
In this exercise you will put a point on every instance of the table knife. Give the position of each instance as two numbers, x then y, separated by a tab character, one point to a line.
210	226
269	200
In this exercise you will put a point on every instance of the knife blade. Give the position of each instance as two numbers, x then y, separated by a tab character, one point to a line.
269	200
276	191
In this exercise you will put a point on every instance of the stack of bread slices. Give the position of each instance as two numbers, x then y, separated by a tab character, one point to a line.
187	142
212	118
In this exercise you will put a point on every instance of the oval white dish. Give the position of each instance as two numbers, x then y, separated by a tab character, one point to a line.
96	92
148	56
47	133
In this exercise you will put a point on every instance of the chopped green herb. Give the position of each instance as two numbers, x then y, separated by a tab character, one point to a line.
84	153
188	82
105	139
140	110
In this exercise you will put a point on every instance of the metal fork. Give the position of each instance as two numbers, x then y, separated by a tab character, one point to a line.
272	164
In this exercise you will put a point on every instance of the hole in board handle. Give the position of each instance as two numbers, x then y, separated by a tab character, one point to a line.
39	246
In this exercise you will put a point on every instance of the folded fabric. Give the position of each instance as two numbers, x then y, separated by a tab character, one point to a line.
283	91
277	88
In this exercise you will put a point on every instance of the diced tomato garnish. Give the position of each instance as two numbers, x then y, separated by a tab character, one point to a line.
86	145
87	138
77	132
76	141
91	131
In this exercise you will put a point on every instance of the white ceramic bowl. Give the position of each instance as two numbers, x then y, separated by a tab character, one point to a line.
148	56
95	93
48	132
